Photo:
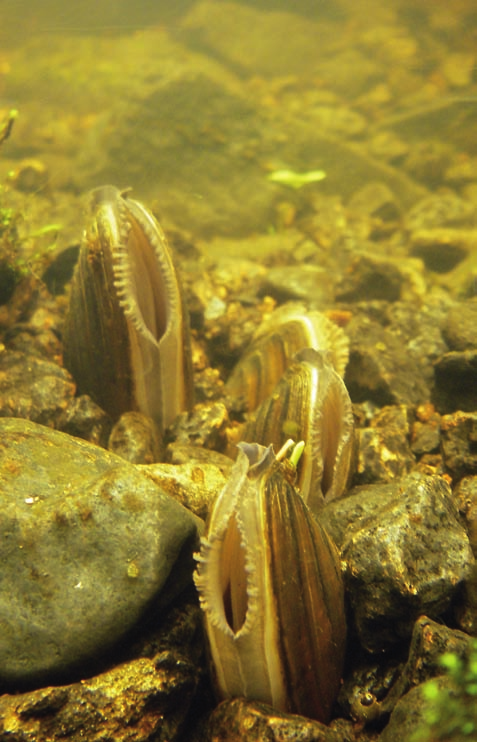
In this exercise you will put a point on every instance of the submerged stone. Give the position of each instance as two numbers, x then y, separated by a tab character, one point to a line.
406	555
141	700
87	544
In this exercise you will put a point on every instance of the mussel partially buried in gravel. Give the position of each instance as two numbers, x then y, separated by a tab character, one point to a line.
289	329
310	403
126	337
270	585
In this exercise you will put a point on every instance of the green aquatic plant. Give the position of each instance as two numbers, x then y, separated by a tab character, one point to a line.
295	180
450	711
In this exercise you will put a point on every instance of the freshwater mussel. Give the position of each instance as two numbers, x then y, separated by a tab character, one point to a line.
269	577
270	585
126	336
290	381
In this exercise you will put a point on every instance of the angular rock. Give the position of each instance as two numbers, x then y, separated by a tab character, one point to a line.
139	701
411	713
33	388
136	438
460	327
456	381
87	545
442	249
368	278
458	441
425	437
405	556
195	484
368	699
466	497
381	368
239	720
85	419
308	283
384	451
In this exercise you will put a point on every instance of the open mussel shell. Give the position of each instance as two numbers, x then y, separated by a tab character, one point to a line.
310	403
270	586
126	337
289	329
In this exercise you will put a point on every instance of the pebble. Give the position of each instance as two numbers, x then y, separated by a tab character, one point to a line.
456	381
381	368
458	441
86	544
384	452
459	329
442	248
194	484
305	282
239	720
136	438
85	419
369	279
368	697
440	210
33	388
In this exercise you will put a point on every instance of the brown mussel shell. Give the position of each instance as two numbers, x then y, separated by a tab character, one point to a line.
270	585
126	337
289	329
310	403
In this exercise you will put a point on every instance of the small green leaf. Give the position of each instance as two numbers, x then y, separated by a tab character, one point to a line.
291	179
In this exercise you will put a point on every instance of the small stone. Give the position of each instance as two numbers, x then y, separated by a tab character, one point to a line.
368	696
375	199
404	558
442	249
85	419
30	176
428	160
38	341
460	327
381	368
305	282
466	495
194	484
440	210
384	452
425	437
204	426
33	388
456	381
239	720
137	439
426	429
86	545
459	443
369	278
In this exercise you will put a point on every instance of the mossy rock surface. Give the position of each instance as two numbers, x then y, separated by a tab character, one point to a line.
87	544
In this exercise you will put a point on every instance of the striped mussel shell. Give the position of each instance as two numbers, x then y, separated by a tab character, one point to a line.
310	403
126	337
270	586
289	329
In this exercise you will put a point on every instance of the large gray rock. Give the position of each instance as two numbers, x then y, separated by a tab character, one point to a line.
87	544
